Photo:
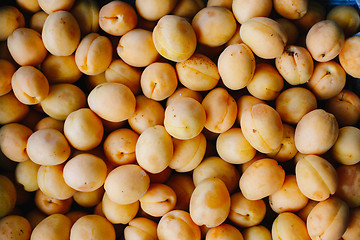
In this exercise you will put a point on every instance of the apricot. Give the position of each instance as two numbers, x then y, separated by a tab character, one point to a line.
8	195
198	73
55	226
158	81
184	92
345	149
184	118
113	102
119	146
327	80
51	182
244	10
117	18
89	199
49	122
155	9
92	226
13	141
328	219
174	38
236	66
245	212
267	83
51	205
148	113
352	231
187	154
61	33
210	203
26	174
60	69
11	109
215	167
348	184
158	200
53	5
138	48
346	17
154	149
261	179
48	147
177	224
37	21
208	22
265	37
86	13
63	99
244	102
119	213
349	56
224	231
262	127
291	9
119	71
137	182
220	109
141	228
288	198
288	225
316	177
287	149
15	227
345	107
94	54
257	232
85	172
293	103
29	85
233	147
26	47
7	69
83	129
316	132
295	65
325	40
11	19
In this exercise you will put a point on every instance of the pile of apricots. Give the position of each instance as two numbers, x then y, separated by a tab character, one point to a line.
179	120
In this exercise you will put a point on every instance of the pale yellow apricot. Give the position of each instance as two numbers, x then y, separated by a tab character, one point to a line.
188	154
236	66
328	219
316	177
137	182
265	37
26	47
174	38
214	26
325	40
245	212
262	178
154	149
198	73
316	132
61	33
